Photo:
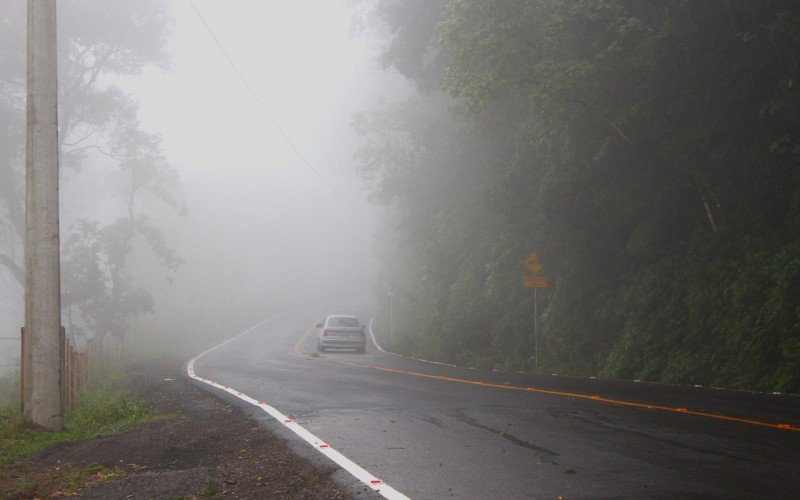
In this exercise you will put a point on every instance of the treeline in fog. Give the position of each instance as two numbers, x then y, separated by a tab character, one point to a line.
114	176
647	150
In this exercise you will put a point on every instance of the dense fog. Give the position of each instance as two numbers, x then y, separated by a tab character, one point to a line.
223	161
260	208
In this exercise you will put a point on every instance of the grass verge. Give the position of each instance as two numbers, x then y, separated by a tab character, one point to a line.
105	409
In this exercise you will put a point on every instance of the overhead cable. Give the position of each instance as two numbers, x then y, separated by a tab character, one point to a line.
266	111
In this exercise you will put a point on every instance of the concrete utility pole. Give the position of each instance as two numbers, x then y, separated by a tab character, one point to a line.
42	343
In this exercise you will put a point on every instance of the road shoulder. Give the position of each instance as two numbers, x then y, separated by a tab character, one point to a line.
207	447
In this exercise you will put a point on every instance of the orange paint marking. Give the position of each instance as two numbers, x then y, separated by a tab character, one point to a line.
574	395
296	348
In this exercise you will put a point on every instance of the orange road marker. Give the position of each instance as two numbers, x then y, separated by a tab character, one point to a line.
573	395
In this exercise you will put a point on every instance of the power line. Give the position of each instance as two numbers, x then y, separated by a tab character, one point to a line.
266	111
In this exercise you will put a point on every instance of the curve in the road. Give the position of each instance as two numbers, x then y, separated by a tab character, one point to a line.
345	463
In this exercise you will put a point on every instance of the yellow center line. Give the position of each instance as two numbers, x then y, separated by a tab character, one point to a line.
576	395
296	348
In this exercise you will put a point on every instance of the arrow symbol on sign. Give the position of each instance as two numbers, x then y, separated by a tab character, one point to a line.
532	263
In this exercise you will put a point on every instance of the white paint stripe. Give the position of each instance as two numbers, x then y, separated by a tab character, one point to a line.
372	336
342	461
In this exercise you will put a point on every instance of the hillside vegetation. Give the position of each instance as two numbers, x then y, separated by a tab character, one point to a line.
647	150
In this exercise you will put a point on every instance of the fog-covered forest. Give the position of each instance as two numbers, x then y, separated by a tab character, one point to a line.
399	248
98	127
648	151
185	214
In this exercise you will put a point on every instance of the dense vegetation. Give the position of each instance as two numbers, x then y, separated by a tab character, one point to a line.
647	150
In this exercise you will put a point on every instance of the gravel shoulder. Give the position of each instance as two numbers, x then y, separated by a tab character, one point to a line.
206	447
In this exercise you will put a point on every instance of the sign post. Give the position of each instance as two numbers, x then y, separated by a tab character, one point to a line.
535	282
391	317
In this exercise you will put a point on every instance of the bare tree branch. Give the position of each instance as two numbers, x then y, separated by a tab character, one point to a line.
89	132
95	147
13	268
622	135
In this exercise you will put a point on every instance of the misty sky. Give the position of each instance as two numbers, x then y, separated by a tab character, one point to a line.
261	226
245	186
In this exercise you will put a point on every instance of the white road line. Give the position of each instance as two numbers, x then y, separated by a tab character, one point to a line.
372	336
342	461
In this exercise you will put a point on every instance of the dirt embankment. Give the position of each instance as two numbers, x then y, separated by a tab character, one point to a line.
205	448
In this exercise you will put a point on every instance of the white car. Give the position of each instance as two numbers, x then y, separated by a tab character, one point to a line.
341	331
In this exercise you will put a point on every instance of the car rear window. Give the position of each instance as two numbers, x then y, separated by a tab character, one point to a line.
343	322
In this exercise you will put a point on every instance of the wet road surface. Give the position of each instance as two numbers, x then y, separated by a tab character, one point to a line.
433	431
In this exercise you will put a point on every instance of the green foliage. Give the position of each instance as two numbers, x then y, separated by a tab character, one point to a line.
105	409
648	151
108	407
214	488
9	389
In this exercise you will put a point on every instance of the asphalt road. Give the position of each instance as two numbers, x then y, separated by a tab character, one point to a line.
433	431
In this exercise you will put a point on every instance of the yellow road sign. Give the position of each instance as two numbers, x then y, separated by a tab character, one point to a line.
535	282
532	263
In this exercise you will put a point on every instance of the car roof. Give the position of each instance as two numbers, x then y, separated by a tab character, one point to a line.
341	316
